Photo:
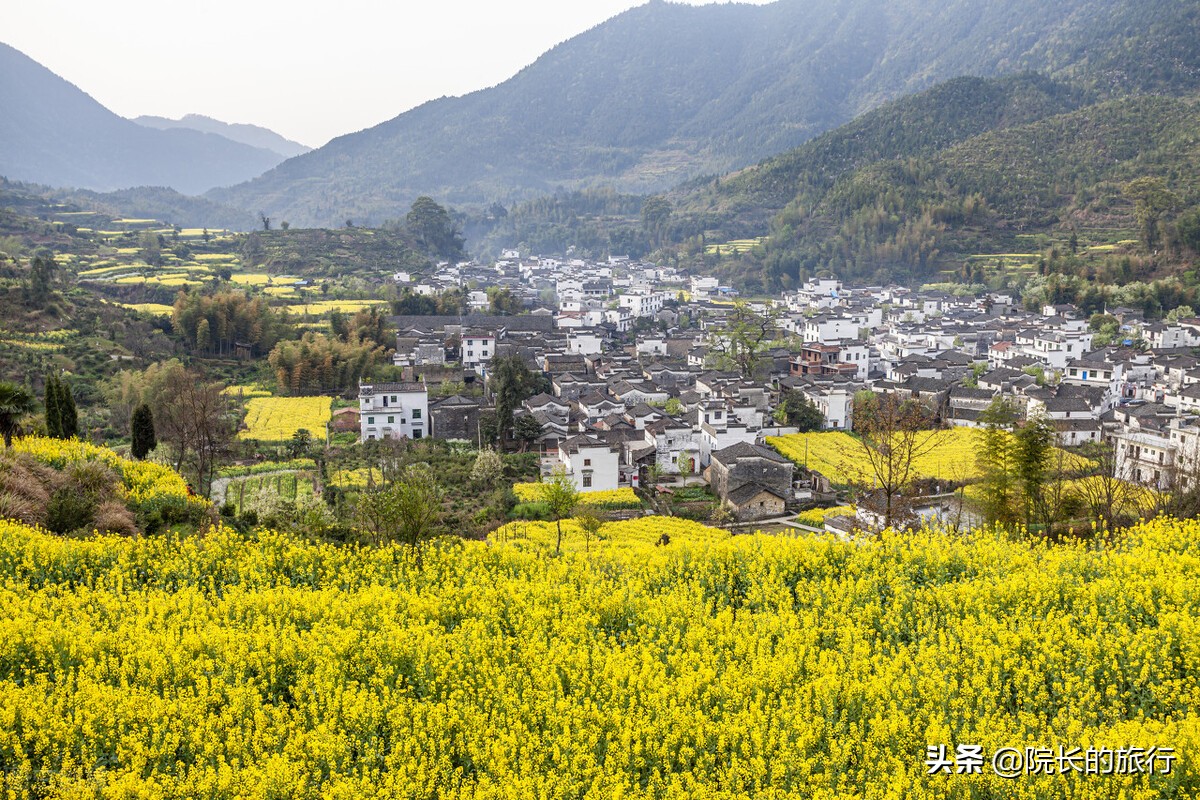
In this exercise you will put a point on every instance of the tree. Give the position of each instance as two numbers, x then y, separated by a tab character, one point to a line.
656	214
561	497
406	511
1187	228
1152	200
590	524
266	221
1034	442
511	383
215	323
1180	312
503	301
195	419
300	443
62	418
797	410
674	406
142	432
741	340
41	280
892	434
436	234
53	404
15	402
488	468
526	430
995	458
151	249
317	364
1106	493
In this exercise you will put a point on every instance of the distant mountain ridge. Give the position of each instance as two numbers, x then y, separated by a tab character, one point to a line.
252	135
666	92
51	132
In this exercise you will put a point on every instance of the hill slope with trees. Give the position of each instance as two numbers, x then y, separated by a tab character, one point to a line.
666	92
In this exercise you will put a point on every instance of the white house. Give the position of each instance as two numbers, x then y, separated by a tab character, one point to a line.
642	302
585	342
827	329
393	411
703	286
1144	457
835	401
478	300
593	465
477	350
674	444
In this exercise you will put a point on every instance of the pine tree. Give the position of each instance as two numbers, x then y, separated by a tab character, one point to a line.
1034	444
996	457
53	408
142	432
70	417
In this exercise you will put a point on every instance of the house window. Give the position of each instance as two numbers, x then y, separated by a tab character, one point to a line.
391	420
416	433
587	481
370	420
393	398
416	413
587	462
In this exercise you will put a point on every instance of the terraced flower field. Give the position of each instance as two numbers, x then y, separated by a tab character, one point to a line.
642	534
839	456
275	419
609	498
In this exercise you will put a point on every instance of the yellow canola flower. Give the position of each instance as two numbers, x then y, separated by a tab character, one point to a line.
624	497
839	456
144	482
275	419
719	667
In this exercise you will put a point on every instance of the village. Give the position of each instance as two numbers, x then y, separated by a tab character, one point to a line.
644	380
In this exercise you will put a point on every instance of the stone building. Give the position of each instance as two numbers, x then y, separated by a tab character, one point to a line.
746	477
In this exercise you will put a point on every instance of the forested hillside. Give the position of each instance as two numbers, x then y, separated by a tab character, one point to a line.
666	92
922	203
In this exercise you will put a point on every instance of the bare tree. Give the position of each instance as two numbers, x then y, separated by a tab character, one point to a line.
743	337
1106	493
893	433
197	421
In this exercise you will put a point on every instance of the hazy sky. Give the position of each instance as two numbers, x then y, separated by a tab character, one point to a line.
308	70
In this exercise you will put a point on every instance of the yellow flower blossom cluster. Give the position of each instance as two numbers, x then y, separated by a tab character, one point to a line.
275	419
749	666
356	478
815	517
604	498
839	456
247	390
634	534
145	483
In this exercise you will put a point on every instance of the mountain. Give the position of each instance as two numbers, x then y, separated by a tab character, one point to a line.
251	135
53	133
665	92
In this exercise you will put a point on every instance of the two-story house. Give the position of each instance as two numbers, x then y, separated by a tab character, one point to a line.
393	411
